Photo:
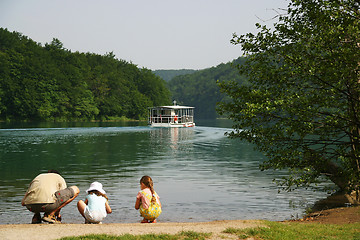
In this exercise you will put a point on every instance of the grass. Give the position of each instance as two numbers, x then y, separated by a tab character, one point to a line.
272	230
299	231
185	235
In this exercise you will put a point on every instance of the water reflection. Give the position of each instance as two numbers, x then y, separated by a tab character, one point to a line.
199	173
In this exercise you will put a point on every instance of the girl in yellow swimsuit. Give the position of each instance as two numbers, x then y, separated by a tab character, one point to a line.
148	201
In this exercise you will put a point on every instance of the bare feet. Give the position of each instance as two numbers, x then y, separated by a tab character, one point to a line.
144	221
147	221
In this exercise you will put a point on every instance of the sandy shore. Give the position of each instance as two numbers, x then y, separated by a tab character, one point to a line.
56	231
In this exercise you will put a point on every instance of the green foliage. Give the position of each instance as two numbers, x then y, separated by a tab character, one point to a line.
297	231
301	106
167	75
200	89
52	83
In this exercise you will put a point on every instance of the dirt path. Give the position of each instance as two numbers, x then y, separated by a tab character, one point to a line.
56	231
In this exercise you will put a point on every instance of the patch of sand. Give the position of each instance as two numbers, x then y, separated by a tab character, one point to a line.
56	231
342	215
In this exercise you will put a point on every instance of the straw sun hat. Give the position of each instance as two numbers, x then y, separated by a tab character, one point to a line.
96	186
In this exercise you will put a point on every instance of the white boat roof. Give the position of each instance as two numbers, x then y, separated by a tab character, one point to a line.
173	107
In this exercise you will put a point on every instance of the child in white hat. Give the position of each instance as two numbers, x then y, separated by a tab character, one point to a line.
96	205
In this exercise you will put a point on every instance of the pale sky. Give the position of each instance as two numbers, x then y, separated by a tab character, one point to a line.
155	34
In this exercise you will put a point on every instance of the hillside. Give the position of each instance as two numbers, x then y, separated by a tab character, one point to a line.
167	75
51	83
200	88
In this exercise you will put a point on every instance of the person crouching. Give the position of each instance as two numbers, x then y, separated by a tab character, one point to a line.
96	205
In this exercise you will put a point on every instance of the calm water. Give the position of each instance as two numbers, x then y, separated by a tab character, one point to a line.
199	174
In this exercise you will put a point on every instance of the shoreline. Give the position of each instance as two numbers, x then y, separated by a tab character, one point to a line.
55	231
45	231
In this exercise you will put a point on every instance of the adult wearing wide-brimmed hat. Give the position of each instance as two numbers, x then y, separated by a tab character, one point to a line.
48	193
96	205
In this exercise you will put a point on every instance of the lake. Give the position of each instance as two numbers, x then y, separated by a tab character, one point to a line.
200	174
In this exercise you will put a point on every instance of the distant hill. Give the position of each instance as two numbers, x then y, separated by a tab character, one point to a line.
167	75
200	88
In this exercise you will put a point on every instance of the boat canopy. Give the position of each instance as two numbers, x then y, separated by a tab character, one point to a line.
171	116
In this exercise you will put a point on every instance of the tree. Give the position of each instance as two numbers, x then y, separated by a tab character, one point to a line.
53	84
200	89
301	107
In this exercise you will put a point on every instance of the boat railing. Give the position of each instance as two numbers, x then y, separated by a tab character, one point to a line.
171	119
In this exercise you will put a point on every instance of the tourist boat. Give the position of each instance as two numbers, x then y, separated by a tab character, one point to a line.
171	116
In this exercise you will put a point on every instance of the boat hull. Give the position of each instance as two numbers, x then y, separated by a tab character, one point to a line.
174	125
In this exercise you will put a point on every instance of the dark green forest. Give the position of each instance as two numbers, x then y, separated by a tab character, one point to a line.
51	83
167	75
200	89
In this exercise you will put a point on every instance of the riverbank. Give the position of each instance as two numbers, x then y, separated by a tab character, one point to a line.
343	215
55	231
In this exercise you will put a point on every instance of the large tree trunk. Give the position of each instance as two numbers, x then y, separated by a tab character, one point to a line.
336	175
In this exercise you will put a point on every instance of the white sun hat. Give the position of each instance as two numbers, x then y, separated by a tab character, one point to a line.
96	186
